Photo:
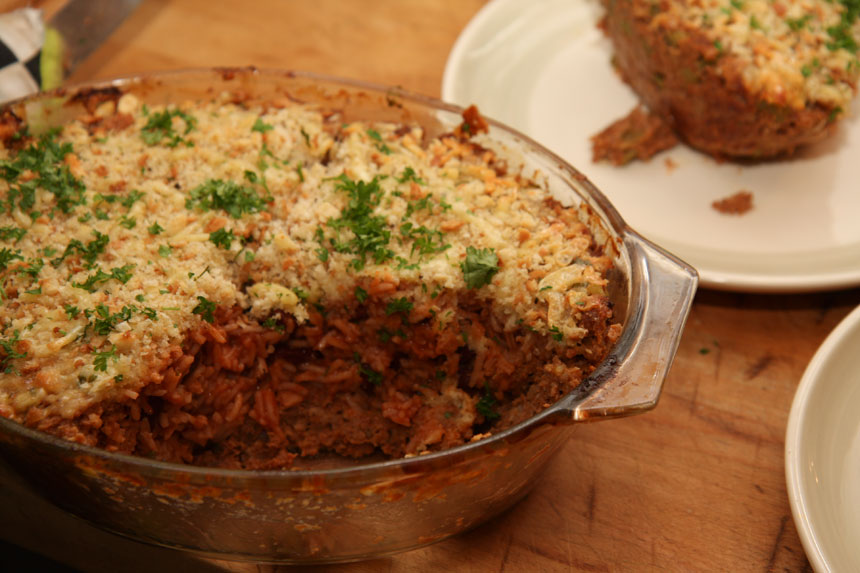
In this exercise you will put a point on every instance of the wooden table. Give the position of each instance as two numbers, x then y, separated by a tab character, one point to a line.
696	485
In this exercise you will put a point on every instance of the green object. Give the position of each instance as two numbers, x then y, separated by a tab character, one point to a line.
51	62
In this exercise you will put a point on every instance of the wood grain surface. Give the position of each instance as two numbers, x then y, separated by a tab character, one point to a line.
698	484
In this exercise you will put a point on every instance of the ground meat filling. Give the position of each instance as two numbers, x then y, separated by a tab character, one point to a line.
241	395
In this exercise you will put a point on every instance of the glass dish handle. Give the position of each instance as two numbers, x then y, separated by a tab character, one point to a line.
631	379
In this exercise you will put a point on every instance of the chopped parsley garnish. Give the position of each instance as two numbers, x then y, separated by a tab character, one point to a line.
165	251
841	34
360	294
425	241
300	292
205	308
410	175
7	255
398	305
261	126
228	196
425	203
222	238
372	375
486	406
133	197
126	201
155	229
10	353
274	324
122	274
797	24
386	335
106	322
13	233
127	222
32	268
404	264
380	144
191	274
100	361
370	233
44	158
160	126
71	311
479	266
89	252
556	334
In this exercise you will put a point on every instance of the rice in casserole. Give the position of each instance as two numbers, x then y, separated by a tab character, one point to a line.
237	286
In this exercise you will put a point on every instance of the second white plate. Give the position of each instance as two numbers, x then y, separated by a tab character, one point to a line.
544	68
822	452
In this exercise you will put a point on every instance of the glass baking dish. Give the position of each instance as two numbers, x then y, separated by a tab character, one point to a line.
338	510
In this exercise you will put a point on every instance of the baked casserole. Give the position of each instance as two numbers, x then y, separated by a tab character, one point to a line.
230	284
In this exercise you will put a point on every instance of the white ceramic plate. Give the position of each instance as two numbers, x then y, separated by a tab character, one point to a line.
543	68
822	452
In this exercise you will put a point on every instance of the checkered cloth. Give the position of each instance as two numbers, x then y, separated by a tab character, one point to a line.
22	34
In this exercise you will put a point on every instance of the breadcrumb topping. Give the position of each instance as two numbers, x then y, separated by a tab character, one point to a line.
133	226
792	53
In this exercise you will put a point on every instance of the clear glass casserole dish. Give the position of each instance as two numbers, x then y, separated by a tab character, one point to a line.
337	510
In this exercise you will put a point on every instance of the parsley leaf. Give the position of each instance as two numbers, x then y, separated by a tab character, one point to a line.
13	233
71	311
228	196
44	158
380	144
370	233
101	359
398	305
89	252
106	322
410	175
160	126
7	255
222	238
122	274
261	126
9	346
360	294
479	267
486	406
205	308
